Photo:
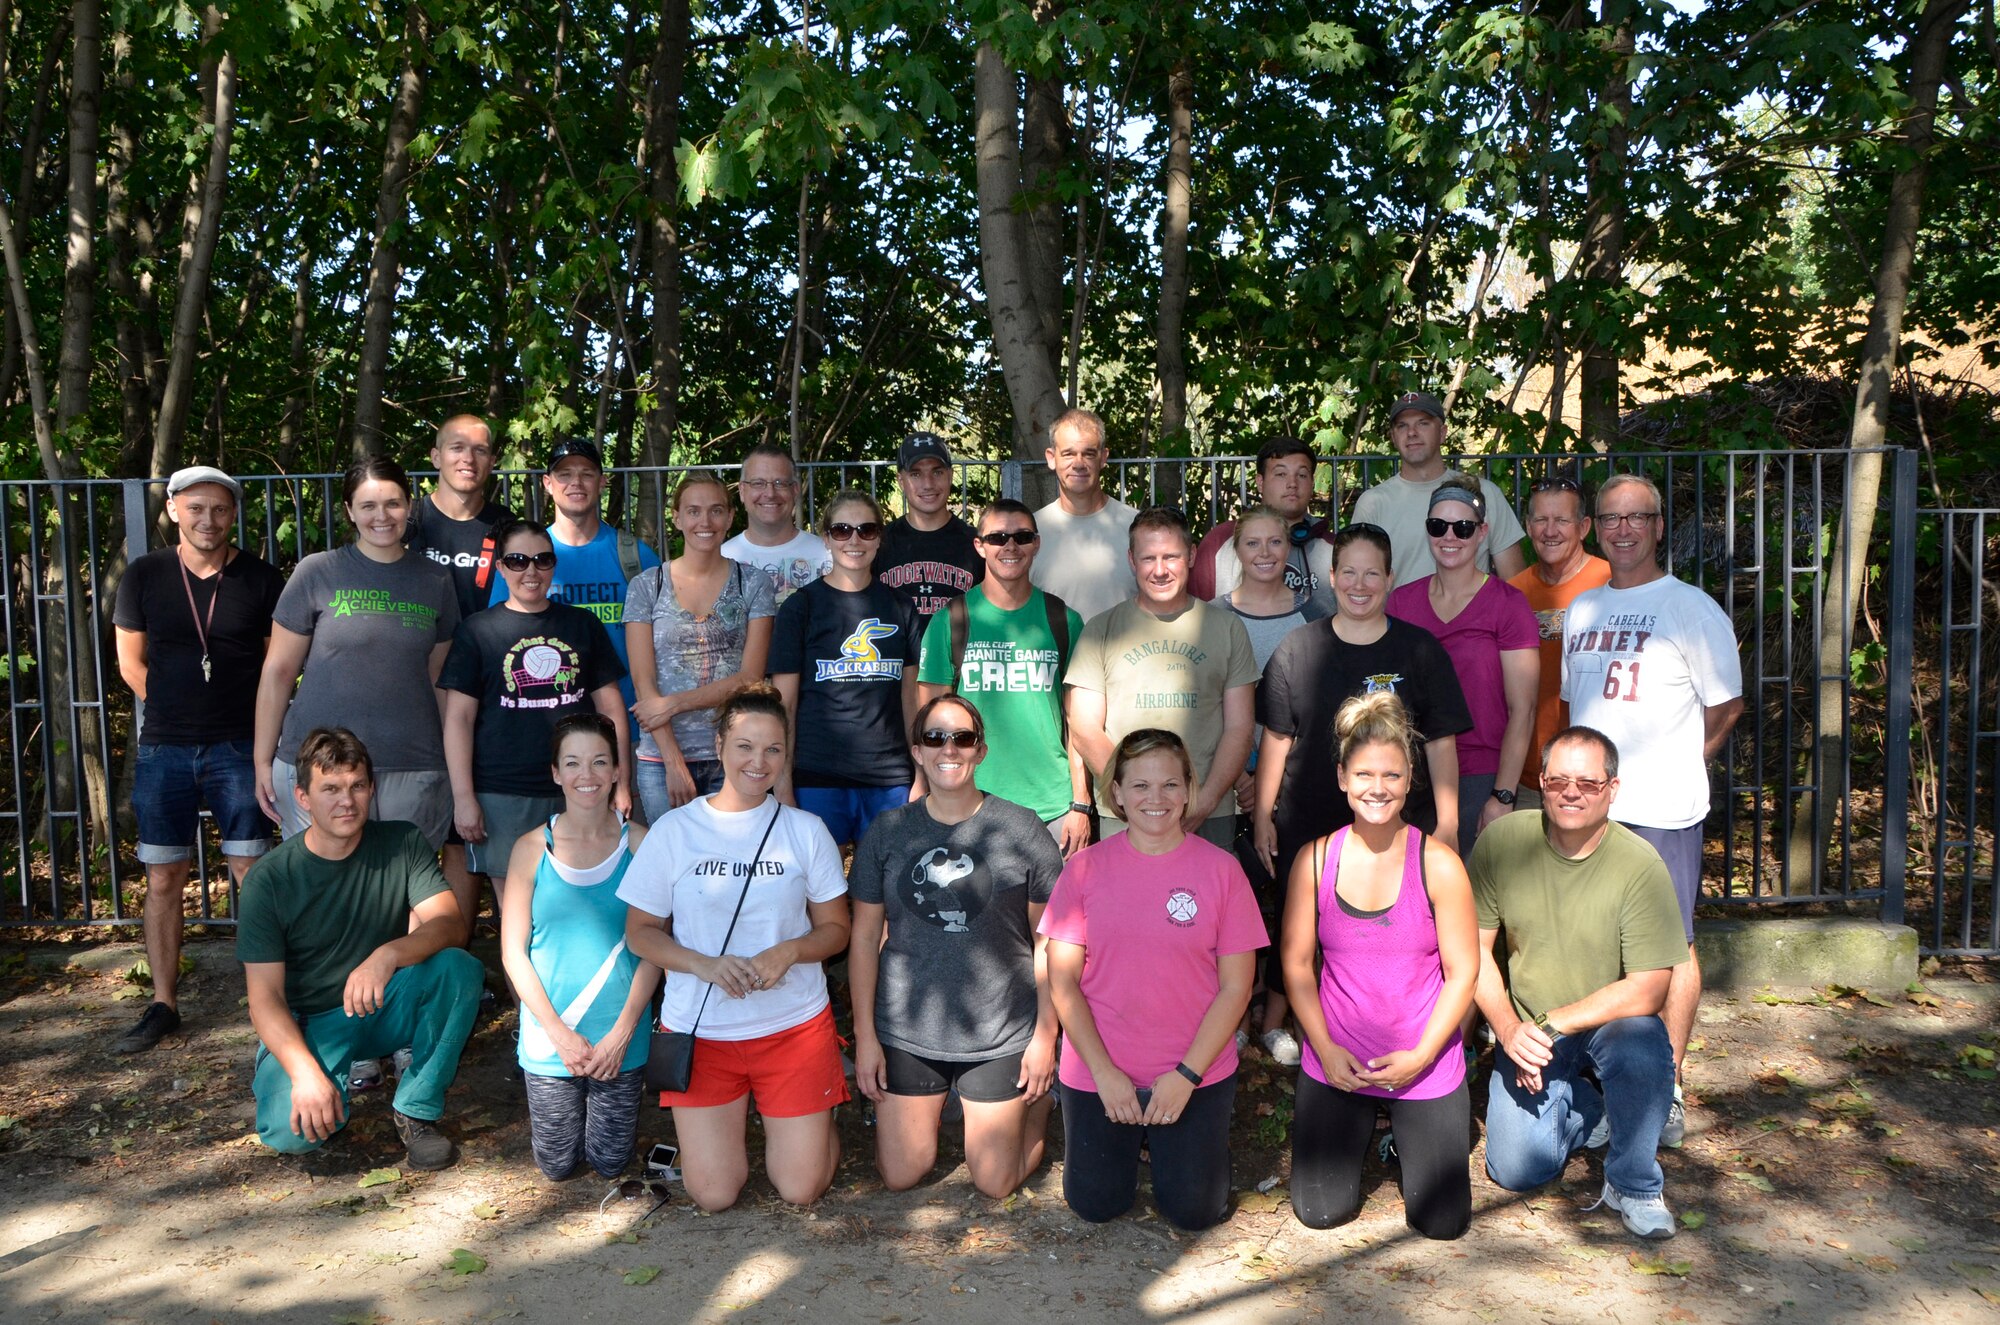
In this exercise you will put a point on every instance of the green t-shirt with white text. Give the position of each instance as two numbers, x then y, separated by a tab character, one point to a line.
1012	673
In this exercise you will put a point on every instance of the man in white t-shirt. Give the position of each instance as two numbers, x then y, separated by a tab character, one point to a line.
1651	662
1084	558
772	541
1400	503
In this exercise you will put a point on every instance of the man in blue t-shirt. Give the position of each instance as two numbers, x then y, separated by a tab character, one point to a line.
594	561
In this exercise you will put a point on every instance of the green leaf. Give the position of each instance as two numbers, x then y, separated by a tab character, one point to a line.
1645	1264
485	1210
1757	1180
1911	1244
379	1178
391	1257
1693	1219
645	1274
464	1262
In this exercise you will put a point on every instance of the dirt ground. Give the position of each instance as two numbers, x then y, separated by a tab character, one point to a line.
1843	1165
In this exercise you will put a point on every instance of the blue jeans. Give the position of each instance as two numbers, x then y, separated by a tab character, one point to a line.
1529	1137
168	790
847	811
649	784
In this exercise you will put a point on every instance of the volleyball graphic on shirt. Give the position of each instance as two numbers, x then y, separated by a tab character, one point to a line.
1182	907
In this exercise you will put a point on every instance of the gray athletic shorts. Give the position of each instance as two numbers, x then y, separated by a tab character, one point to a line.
508	819
420	796
1681	849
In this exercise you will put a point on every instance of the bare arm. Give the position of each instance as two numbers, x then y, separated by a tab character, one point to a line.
517	903
438	925
787	684
1526	1045
1038	1063
1114	1088
1086	727
284	661
461	713
132	660
1272	753
1717	721
609	701
1636	994
1075	823
913	702
1441	760
1508	561
655	708
317	1109
1232	752
864	965
1236	976
1521	677
831	925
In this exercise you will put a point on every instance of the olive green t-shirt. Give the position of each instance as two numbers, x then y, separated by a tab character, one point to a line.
1571	927
322	918
1165	673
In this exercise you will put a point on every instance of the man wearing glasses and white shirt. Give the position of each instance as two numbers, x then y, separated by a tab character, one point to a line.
772	541
1651	662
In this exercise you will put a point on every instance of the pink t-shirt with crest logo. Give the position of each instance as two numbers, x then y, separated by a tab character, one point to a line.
1153	929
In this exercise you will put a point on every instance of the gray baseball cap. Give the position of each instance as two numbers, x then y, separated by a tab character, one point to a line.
1421	401
183	479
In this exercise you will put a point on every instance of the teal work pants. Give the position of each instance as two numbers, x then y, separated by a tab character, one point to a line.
428	1008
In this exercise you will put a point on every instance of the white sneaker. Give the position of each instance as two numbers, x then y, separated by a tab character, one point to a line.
1644	1216
1600	1135
1282	1046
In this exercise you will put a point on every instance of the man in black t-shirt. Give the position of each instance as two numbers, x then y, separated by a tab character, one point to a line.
927	553
455	527
192	622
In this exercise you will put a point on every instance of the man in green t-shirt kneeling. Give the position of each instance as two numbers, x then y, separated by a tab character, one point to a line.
1592	936
337	971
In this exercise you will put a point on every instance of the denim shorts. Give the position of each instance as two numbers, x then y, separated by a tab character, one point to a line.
174	781
649	784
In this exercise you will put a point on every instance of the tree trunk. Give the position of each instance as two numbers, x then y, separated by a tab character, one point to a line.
1033	389
1603	246
296	394
1172	352
135	414
663	132
203	222
80	256
1812	836
385	268
1044	138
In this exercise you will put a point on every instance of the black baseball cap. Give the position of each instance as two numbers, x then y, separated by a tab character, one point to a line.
923	446
575	446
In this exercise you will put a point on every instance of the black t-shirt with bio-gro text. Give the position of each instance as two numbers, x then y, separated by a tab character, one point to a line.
528	670
183	707
850	651
463	547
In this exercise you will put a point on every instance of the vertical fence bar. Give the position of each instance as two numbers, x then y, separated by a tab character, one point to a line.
1902	660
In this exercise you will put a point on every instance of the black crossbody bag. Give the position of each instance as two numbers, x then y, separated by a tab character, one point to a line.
670	1056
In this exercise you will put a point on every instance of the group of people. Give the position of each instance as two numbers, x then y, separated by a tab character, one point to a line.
1087	767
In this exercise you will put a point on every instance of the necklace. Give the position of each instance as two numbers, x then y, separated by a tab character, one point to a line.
201	624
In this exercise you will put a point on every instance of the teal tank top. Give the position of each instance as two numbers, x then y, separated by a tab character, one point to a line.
576	943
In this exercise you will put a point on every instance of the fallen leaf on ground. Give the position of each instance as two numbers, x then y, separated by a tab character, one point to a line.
485	1210
379	1178
1757	1180
1693	1219
1645	1264
645	1274
463	1262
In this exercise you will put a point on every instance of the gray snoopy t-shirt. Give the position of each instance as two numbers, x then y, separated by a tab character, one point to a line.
957	979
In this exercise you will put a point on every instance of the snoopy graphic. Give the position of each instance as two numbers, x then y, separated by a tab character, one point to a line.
933	874
860	646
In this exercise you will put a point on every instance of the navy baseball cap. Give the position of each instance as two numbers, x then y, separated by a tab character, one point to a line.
1421	401
575	446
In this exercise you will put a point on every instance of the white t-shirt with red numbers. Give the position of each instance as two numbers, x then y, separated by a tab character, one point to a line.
1640	665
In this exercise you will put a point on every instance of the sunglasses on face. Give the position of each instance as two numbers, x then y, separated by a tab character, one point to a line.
1463	528
1556	785
867	531
518	561
958	740
1019	538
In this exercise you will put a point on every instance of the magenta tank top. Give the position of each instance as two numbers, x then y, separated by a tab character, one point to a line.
1380	976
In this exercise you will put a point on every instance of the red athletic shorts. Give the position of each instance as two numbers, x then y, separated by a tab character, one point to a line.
789	1074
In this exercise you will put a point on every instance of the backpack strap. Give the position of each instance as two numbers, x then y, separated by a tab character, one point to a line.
1058	614
628	555
959	618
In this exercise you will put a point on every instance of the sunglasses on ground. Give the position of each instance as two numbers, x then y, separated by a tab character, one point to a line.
959	740
523	560
1556	785
1018	537
1463	528
867	531
633	1189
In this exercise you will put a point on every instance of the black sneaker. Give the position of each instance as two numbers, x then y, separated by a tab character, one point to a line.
159	1020
429	1148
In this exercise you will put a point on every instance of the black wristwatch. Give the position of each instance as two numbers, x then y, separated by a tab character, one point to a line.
1503	795
1081	807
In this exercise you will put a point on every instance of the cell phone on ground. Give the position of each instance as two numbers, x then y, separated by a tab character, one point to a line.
663	1161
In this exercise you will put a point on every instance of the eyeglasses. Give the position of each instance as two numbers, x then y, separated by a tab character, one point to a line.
1018	537
518	561
1556	484
1463	528
1619	520
1556	785
768	484
958	740
1363	527
867	531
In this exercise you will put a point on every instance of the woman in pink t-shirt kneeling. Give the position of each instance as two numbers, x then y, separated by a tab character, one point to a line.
1380	952
1153	938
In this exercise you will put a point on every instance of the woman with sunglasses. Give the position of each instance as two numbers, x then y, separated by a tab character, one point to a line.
1380	952
953	998
584	993
1152	949
515	671
357	641
695	629
1316	669
753	892
1490	633
844	656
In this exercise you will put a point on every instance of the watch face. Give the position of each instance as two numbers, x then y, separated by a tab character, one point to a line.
1504	796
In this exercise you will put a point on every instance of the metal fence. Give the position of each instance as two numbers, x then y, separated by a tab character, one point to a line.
1753	528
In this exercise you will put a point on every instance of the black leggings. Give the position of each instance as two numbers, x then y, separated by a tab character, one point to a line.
1190	1158
1331	1130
